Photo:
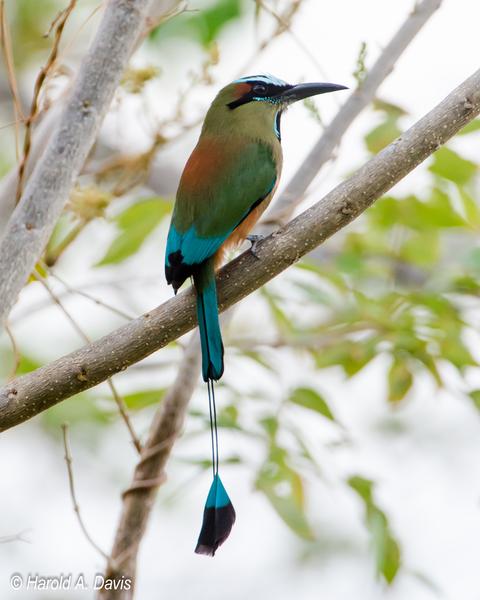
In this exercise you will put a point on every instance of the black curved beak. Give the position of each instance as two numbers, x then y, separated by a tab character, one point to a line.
305	90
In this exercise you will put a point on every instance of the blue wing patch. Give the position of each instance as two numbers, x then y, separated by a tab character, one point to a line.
194	249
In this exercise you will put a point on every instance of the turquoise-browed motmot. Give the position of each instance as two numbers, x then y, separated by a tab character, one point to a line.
226	185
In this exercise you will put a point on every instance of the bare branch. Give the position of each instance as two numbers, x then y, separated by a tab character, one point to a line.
26	396
71	484
16	352
48	187
362	96
6	44
15	537
59	25
94	299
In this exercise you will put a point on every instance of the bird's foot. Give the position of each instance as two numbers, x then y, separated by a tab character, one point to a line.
254	240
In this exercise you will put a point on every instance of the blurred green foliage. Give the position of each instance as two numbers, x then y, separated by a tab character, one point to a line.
203	22
387	551
29	21
135	224
281	484
389	128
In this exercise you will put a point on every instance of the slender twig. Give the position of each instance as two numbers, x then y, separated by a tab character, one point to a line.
72	290
59	24
284	21
74	37
17	122
32	393
120	284
15	350
6	43
116	396
286	25
14	537
71	484
124	414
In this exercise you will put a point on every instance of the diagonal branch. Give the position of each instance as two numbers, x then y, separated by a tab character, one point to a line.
26	396
47	189
361	97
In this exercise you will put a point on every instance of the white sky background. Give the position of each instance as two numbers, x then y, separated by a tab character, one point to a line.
424	456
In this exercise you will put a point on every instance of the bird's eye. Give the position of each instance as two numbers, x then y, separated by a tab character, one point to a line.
260	89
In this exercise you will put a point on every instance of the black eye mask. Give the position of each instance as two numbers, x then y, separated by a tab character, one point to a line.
261	92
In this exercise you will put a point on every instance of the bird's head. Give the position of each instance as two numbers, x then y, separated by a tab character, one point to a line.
259	99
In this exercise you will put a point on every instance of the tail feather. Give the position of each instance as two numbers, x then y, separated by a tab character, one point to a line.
218	519
208	323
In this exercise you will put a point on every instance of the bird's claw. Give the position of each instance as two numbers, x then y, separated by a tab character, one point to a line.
254	240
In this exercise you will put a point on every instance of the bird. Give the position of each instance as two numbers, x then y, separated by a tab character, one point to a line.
227	183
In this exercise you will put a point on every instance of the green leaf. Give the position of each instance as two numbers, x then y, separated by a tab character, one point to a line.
82	409
421	249
351	356
350	262
139	400
26	364
475	397
470	206
228	417
386	548
258	358
270	424
363	487
420	215
311	399
204	24
470	127
438	211
454	350
400	380
282	320
382	135
283	487
294	518
135	223
450	165
473	260
393	111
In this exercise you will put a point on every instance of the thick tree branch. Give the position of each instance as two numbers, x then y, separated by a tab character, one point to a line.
361	97
47	189
26	396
